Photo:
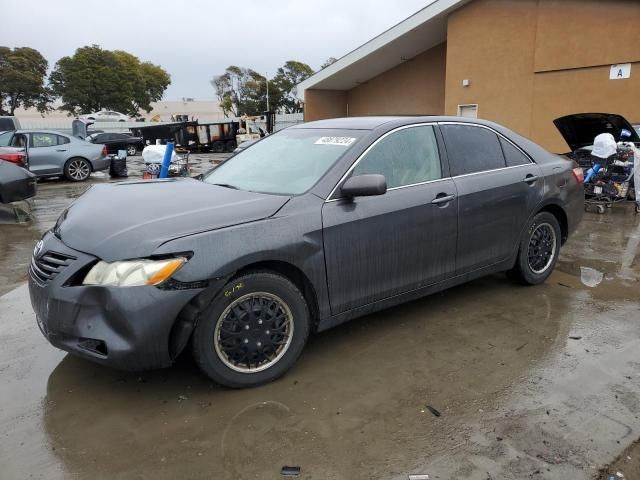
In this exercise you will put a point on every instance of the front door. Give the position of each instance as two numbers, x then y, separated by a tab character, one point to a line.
381	246
498	187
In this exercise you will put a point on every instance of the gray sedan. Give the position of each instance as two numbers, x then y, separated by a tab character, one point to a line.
310	227
54	154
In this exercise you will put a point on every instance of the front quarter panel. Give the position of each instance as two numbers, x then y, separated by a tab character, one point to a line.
293	235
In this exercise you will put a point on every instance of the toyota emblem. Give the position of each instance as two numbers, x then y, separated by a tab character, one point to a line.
38	248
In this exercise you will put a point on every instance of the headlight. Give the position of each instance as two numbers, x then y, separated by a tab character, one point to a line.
133	273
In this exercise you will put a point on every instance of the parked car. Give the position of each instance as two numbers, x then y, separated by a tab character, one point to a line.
54	154
580	129
16	183
118	141
16	155
106	116
310	227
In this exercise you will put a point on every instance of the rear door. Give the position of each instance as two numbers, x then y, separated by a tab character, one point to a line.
381	246
498	187
47	153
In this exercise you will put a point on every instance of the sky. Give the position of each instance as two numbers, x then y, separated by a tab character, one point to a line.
197	39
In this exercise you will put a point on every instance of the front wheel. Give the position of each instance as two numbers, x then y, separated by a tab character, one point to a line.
77	169
538	251
253	332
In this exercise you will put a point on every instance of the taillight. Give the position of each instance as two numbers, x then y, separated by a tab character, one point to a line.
104	150
13	157
578	174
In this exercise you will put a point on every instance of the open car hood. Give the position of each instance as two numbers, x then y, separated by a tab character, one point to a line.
579	129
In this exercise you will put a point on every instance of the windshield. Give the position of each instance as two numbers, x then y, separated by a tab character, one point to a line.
5	138
289	162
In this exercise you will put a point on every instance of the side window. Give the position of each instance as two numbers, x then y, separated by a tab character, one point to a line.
43	140
62	140
103	137
19	141
404	157
471	149
512	155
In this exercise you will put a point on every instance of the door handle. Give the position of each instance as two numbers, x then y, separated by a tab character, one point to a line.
442	198
530	179
58	150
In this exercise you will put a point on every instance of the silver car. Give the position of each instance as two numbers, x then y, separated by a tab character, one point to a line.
54	154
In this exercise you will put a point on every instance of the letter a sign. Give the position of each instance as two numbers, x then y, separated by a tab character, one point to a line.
620	71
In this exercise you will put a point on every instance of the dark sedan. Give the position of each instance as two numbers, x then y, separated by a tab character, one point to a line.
118	141
16	183
310	227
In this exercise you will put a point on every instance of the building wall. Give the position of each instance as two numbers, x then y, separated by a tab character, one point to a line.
531	61
413	87
320	104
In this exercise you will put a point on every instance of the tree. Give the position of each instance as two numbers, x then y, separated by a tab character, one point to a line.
94	79
284	83
328	62
22	80
241	91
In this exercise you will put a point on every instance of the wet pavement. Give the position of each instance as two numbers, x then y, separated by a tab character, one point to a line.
530	382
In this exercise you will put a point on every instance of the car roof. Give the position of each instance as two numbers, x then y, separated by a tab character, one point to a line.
371	123
43	130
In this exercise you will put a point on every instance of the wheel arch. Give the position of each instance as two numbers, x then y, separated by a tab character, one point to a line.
558	212
184	324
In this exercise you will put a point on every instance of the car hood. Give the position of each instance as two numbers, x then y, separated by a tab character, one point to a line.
132	219
579	129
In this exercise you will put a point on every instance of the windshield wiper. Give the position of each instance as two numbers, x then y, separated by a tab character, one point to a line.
226	185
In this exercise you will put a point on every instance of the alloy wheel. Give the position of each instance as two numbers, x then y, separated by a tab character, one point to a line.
254	332
542	248
79	170
131	150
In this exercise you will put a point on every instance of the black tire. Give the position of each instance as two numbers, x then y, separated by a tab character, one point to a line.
524	271
230	146
77	169
209	350
217	147
132	150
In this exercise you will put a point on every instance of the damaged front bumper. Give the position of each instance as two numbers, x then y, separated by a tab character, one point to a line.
129	328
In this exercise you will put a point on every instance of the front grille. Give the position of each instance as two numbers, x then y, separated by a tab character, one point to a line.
45	268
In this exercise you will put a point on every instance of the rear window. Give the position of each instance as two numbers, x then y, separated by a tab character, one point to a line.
5	138
472	149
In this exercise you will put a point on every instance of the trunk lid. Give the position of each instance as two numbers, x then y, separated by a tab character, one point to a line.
579	129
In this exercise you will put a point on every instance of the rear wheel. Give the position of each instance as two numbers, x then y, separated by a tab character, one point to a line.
131	150
230	146
217	147
539	250
77	169
253	332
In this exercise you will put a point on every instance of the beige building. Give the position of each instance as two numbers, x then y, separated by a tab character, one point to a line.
521	63
204	110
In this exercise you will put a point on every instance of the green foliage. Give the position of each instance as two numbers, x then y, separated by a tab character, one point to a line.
243	91
22	80
94	79
285	81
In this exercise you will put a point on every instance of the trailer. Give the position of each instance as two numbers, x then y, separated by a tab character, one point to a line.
192	136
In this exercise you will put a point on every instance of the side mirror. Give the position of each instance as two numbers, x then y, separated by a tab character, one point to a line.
364	186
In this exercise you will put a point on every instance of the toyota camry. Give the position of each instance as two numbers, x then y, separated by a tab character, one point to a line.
308	228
